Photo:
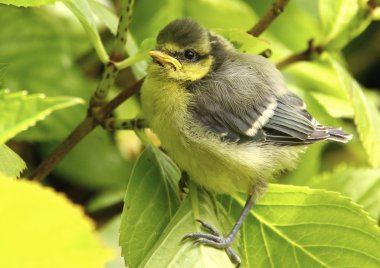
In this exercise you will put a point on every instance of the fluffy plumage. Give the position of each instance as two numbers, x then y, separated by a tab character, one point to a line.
226	117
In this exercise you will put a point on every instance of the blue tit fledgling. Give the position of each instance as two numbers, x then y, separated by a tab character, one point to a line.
225	117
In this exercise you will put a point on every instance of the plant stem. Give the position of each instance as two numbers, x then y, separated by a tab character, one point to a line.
111	71
85	127
96	112
265	21
301	56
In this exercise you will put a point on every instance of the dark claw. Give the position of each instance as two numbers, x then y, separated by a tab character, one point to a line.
214	240
183	183
208	227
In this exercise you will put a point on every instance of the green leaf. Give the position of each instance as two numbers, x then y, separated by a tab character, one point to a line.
28	3
151	199
299	227
11	164
110	235
20	111
342	20
170	252
105	15
141	55
82	10
105	199
46	229
308	166
40	50
366	114
244	42
238	14
361	184
149	17
336	107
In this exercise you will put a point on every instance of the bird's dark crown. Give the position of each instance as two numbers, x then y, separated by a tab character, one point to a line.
183	32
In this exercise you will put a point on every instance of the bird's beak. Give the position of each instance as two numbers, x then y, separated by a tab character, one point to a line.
164	59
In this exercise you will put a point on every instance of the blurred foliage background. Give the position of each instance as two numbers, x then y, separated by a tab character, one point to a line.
46	50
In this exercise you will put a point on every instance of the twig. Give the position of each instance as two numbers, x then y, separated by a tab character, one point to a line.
111	71
85	127
276	9
302	56
119	99
96	113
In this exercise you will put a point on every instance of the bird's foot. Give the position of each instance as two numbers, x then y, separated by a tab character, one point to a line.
214	239
183	185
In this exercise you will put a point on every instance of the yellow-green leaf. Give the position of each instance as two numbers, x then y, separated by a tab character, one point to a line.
366	114
19	110
243	41
41	228
10	163
27	3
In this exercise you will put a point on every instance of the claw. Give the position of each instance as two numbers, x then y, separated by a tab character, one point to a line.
215	240
208	227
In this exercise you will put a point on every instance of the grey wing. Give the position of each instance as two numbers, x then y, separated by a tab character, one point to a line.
281	120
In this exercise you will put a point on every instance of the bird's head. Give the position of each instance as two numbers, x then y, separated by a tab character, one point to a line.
183	51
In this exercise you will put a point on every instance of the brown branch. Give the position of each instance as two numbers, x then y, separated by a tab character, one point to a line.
265	21
85	127
119	99
302	56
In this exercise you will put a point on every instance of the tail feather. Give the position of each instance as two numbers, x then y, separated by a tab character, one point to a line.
336	134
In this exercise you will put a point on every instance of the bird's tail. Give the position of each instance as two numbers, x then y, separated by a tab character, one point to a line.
336	134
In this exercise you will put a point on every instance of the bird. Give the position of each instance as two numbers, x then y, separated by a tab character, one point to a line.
225	117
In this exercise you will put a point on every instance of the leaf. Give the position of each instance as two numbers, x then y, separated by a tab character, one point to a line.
40	50
170	252
299	227
209	13
20	111
11	164
361	184
150	202
149	17
27	3
105	15
82	10
244	42
342	20
309	165
46	229
336	107
141	55
290	31
110	235
105	199
366	115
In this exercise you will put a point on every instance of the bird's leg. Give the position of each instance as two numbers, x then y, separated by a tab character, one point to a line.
183	183
214	239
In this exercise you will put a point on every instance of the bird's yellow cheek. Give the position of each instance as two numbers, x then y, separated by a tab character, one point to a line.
193	70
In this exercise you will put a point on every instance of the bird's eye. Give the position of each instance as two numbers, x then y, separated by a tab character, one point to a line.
190	55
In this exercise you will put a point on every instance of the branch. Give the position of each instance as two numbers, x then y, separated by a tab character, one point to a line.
85	127
266	20
302	56
96	113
